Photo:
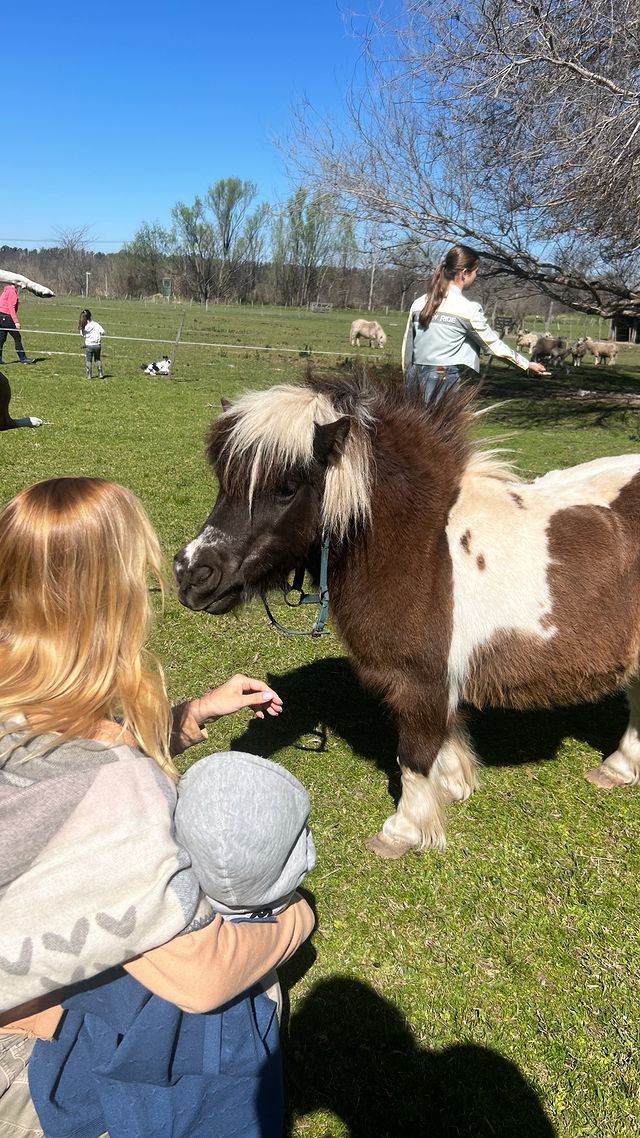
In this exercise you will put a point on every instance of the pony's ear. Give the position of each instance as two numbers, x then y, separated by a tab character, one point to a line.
226	404
329	440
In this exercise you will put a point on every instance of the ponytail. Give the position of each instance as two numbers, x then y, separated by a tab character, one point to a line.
459	258
437	292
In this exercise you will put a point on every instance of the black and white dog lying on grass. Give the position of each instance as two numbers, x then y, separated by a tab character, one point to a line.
158	367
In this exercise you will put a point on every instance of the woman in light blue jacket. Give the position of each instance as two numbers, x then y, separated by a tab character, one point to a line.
446	331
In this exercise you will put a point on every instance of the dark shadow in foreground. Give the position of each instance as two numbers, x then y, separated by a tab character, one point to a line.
326	696
352	1053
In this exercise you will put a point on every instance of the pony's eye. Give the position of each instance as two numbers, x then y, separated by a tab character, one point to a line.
286	491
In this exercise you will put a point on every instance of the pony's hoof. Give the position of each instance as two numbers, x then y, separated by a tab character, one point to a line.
381	845
605	778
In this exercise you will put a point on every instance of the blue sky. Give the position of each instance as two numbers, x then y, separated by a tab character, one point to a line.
118	111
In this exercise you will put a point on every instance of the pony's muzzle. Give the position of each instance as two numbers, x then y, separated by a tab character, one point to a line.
197	579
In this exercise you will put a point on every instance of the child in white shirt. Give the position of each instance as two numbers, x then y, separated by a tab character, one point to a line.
92	334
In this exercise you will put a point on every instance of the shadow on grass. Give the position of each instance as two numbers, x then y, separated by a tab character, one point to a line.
320	697
613	398
326	696
582	414
352	1053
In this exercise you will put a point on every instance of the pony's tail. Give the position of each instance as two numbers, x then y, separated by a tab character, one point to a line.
435	296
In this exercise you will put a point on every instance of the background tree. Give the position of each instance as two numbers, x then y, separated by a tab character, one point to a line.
75	259
145	259
237	232
304	236
195	246
505	124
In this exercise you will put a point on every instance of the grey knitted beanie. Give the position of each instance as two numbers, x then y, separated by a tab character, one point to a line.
243	820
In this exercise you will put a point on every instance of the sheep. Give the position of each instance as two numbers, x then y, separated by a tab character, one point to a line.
527	340
578	352
558	358
367	330
601	349
545	347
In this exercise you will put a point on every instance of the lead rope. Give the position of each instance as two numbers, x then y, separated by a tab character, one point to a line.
320	598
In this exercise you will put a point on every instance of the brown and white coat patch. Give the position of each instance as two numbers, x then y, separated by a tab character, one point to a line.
526	557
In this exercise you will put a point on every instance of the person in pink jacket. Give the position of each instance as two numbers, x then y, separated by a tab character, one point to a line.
9	323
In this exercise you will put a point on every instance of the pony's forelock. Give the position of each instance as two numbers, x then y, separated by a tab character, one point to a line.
266	434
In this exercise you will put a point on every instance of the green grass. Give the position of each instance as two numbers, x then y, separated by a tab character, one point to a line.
489	991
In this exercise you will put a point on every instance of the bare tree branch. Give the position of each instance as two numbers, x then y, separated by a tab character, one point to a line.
513	125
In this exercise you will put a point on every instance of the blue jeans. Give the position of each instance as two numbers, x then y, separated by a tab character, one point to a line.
431	381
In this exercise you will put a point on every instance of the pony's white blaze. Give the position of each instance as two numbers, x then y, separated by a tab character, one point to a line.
497	535
209	536
277	428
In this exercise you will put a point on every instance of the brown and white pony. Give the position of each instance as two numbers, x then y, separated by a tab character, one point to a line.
451	580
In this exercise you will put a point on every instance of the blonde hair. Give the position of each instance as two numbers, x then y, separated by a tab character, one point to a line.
74	614
459	258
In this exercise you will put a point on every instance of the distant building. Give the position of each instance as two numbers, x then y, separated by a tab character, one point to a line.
625	329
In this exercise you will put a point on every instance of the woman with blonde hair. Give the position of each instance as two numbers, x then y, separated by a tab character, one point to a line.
91	874
445	331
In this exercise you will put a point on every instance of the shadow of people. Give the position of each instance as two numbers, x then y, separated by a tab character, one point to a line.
319	697
326	696
350	1052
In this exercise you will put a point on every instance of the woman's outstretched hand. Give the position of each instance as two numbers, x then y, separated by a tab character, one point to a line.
538	369
238	692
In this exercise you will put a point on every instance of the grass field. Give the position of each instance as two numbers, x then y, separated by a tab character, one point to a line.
492	990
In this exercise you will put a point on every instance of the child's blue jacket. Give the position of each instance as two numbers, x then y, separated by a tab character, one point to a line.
133	1064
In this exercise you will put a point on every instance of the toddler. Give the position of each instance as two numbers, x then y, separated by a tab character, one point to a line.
130	1062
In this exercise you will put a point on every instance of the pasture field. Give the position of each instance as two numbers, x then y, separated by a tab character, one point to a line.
492	991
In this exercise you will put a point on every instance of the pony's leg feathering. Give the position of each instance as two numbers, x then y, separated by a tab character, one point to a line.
418	823
622	768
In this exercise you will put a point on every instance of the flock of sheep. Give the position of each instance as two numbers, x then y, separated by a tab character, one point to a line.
554	351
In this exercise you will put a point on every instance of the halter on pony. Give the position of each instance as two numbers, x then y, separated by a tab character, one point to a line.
320	598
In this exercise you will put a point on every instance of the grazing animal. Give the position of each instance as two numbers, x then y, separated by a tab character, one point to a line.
527	341
559	358
368	330
601	349
578	352
451	580
546	346
158	367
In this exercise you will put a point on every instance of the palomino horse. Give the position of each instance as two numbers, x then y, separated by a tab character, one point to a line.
367	330
451	580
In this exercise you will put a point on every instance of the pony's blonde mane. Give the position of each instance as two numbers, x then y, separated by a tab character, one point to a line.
488	464
272	432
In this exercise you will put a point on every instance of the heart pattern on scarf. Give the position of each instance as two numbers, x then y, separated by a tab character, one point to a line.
121	928
74	946
50	985
21	966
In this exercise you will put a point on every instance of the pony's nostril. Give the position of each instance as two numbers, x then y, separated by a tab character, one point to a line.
201	575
